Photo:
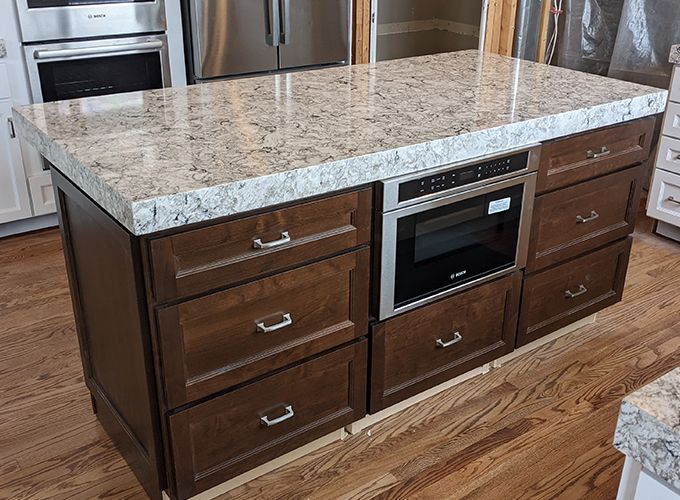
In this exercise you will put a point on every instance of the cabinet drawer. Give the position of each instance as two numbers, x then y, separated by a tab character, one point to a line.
671	122
226	436
215	342
674	95
578	288
580	218
575	159
204	259
668	157
664	197
428	346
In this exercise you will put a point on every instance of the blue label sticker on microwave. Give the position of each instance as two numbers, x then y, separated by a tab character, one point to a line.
499	205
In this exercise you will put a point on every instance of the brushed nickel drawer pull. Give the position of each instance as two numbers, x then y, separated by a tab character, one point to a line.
604	151
285	238
287	321
673	200
289	414
582	220
457	337
570	295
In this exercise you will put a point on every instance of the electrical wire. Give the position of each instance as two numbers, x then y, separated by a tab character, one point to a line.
556	11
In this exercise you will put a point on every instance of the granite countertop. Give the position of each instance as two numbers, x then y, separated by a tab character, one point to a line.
675	54
648	429
161	159
3	48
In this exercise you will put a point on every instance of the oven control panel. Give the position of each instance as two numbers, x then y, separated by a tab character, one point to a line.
462	176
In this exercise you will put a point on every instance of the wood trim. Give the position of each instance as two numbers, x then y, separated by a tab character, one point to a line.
361	31
500	27
543	32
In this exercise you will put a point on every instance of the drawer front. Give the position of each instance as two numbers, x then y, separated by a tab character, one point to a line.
215	342
566	162
664	197
580	218
671	122
428	346
226	436
668	157
578	288
674	95
205	259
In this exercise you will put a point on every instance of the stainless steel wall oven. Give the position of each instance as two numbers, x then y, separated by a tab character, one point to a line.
81	48
43	20
72	69
454	227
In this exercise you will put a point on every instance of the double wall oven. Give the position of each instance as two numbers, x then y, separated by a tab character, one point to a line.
453	228
81	48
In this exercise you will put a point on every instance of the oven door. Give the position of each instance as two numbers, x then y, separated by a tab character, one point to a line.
45	20
444	245
71	70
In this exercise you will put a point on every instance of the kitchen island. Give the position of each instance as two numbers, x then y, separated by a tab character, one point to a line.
223	243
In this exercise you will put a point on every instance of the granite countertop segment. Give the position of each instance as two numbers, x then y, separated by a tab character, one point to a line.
165	158
3	48
648	429
675	54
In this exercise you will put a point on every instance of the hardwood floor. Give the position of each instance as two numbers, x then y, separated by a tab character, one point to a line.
539	427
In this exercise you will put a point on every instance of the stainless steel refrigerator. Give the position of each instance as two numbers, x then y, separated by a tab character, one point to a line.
242	37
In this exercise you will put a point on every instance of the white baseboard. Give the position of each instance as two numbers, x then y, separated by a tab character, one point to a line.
27	225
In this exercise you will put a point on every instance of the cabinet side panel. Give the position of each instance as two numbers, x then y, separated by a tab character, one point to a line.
103	263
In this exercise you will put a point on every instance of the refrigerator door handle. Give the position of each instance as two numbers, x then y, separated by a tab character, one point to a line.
273	23
285	22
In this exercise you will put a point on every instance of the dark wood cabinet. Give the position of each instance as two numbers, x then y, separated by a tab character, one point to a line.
230	434
583	217
214	348
220	340
430	345
213	257
569	161
573	290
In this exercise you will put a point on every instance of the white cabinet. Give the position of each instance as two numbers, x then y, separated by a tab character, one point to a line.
42	194
663	203
14	200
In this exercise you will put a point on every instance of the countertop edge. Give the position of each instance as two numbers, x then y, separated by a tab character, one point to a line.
649	441
144	217
107	198
262	192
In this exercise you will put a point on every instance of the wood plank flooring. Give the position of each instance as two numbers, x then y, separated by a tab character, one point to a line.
539	427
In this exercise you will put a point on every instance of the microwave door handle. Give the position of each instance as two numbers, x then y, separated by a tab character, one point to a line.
101	50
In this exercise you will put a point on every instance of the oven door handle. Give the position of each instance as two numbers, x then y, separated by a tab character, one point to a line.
101	50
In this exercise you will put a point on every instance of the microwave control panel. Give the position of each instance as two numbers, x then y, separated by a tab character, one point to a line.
461	176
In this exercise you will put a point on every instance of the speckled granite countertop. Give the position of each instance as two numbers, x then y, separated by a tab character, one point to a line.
675	54
161	159
648	429
3	48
